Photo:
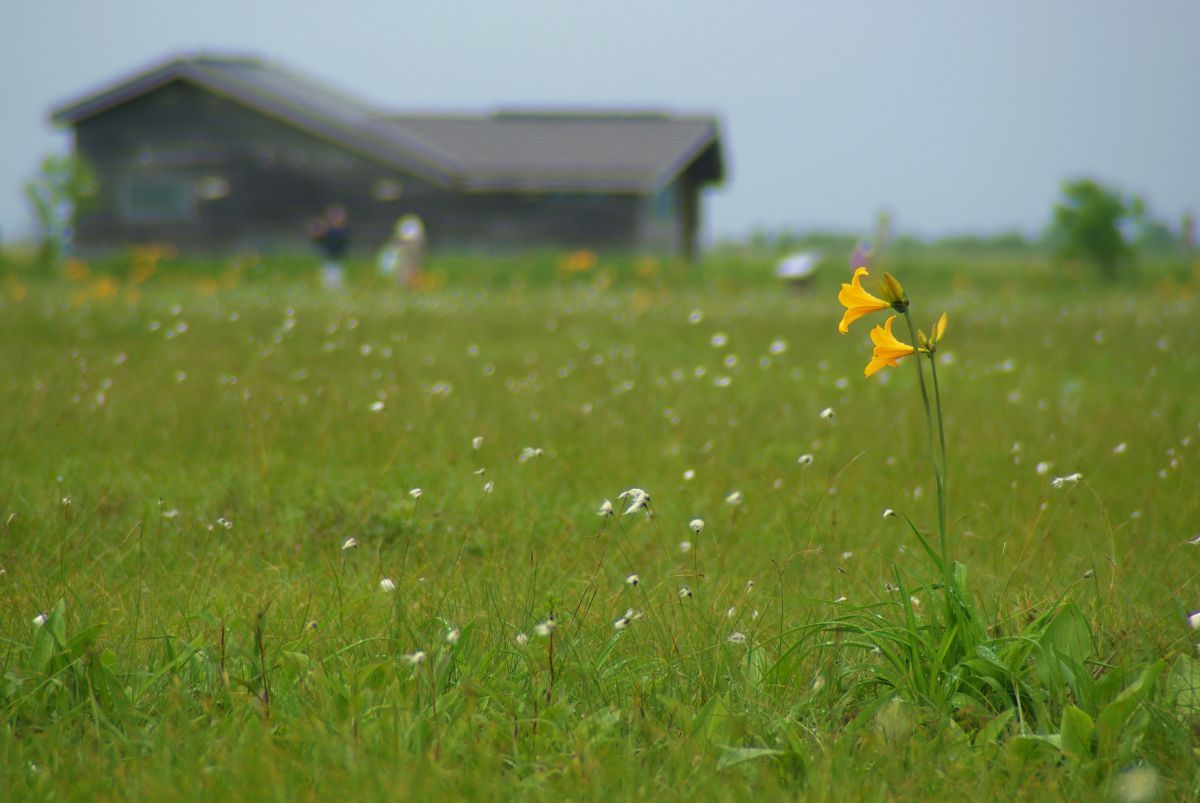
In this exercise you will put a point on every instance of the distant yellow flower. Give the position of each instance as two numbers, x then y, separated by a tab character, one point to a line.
888	350
77	270
577	261
857	301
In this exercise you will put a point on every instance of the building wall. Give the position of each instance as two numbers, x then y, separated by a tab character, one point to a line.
668	222
186	166
243	180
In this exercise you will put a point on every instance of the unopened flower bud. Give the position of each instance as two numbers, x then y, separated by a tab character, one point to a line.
893	293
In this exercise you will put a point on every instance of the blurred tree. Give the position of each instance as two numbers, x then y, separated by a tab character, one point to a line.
1150	234
63	186
1088	225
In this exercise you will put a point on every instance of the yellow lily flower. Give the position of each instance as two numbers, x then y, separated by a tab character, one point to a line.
857	301
888	350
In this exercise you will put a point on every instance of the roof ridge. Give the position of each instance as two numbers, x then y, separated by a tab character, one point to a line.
617	149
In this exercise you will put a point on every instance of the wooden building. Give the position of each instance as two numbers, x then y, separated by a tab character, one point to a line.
218	155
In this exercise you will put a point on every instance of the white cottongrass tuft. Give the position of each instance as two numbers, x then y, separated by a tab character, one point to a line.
528	453
1043	467
734	499
452	636
415	658
350	543
377	406
629	616
387	584
415	493
685	547
544	629
1193	620
1058	482
689	475
40	619
632	580
489	486
638	500
737	637
477	442
828	414
778	347
696	524
522	639
685	592
606	508
888	513
805	460
1120	448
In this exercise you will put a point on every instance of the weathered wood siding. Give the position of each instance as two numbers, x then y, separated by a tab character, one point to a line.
253	182
669	221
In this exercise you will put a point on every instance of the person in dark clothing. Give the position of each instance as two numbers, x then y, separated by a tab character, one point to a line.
331	234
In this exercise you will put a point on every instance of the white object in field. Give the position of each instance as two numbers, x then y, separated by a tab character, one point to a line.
798	267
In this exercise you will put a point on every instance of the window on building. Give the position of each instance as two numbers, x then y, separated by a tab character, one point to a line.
665	203
151	199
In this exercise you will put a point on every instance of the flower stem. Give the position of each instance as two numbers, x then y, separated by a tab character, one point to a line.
938	467
937	403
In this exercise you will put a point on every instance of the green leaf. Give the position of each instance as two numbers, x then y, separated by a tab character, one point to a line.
1077	732
1026	748
1183	685
933	556
82	641
57	625
714	721
731	756
1114	716
43	650
1070	634
992	731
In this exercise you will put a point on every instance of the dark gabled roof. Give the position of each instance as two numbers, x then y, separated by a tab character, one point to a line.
534	151
638	152
277	92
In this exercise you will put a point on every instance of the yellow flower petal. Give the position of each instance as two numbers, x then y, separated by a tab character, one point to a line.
888	349
857	301
875	365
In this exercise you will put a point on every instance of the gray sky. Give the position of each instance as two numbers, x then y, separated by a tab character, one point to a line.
957	116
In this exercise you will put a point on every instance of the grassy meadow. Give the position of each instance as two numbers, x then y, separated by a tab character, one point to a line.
185	452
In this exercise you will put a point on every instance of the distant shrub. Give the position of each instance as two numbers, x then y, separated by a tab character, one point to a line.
1088	225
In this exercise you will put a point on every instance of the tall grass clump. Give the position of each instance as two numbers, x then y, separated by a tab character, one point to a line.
1034	678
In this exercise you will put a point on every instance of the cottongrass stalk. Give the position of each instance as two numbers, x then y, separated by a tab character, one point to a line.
260	648
437	731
